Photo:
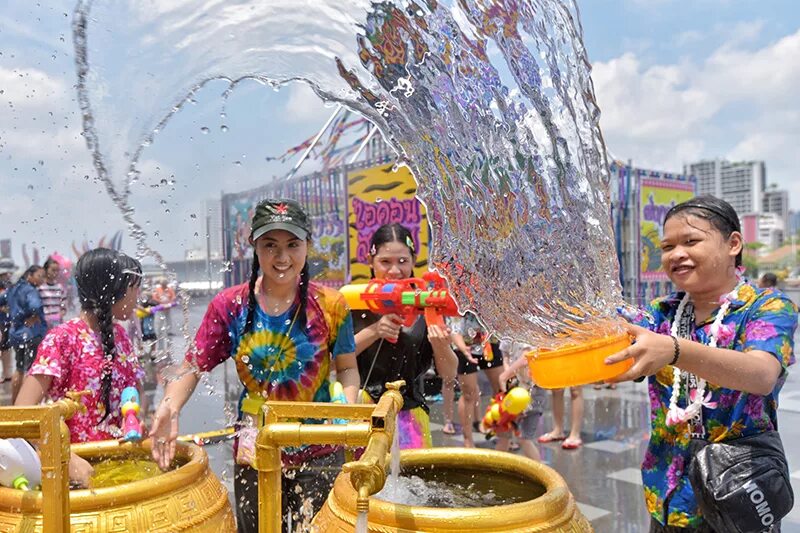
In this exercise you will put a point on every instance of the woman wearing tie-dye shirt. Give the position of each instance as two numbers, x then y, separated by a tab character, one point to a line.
719	328
285	334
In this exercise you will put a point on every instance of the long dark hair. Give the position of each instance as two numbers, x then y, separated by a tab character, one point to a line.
251	295
391	233
103	277
716	211
29	272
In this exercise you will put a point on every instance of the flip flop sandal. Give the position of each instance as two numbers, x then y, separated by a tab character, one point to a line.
571	444
449	429
549	437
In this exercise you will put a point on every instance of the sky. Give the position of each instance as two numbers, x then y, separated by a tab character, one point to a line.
676	81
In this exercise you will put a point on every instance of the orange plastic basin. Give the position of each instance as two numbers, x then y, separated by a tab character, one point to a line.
578	364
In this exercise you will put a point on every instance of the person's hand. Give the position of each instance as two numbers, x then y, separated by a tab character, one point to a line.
468	355
388	327
439	338
164	434
80	471
504	378
650	353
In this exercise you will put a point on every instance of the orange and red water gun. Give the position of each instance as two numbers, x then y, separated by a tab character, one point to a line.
407	298
504	408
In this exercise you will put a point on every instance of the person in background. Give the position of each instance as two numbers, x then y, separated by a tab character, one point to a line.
7	268
572	441
53	294
163	294
28	325
475	351
516	367
767	280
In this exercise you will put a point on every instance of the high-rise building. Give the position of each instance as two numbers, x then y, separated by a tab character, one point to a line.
777	202
741	184
794	222
771	230
214	228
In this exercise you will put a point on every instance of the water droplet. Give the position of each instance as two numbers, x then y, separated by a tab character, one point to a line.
204	130
237	163
223	128
193	215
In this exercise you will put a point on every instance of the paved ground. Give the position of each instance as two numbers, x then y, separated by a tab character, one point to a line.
603	475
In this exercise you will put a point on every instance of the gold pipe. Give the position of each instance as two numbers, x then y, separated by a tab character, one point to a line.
374	427
368	474
46	424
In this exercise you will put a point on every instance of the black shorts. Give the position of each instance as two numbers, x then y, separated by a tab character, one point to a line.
465	367
25	353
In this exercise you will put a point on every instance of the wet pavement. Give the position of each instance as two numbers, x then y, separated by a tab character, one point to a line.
603	474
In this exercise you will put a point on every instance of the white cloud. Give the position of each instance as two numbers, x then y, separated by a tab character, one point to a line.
305	106
737	103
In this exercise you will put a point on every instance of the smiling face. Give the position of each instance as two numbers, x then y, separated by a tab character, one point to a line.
52	272
393	260
281	256
696	256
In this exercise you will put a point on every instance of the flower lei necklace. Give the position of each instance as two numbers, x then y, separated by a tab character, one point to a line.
697	397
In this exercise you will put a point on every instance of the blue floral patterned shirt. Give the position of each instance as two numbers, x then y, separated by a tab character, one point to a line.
757	319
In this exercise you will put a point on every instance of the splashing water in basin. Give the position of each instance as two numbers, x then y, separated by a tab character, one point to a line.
489	102
458	489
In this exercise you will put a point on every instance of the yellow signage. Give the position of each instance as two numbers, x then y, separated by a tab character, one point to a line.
378	196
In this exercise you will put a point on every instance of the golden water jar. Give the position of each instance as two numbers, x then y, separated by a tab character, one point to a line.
188	498
551	508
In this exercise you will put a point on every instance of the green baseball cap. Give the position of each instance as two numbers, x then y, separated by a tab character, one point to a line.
280	214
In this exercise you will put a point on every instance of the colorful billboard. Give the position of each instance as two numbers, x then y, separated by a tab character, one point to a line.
657	195
380	195
321	194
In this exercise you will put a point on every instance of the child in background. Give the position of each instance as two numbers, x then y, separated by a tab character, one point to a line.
516	366
91	353
53	294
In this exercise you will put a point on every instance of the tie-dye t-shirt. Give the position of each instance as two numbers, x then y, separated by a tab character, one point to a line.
757	319
289	363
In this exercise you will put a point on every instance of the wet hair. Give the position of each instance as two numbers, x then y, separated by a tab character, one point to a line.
103	277
390	233
769	279
251	294
30	271
716	211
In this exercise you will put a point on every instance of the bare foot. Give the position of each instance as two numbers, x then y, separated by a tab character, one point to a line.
469	444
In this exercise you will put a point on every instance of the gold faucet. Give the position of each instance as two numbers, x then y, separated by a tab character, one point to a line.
370	425
45	423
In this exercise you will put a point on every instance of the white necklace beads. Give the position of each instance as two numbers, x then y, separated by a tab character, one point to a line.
696	400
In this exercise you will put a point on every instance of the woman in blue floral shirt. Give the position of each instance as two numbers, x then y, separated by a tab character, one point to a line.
720	328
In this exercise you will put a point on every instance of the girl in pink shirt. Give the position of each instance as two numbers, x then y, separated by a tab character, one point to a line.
91	353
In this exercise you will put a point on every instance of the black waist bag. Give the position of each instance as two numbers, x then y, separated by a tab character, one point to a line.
742	485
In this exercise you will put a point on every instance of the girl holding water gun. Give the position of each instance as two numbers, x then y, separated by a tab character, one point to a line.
387	351
91	353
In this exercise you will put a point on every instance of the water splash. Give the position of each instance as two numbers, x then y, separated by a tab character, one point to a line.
489	102
361	523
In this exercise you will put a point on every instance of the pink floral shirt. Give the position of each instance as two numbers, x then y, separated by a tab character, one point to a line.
73	355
